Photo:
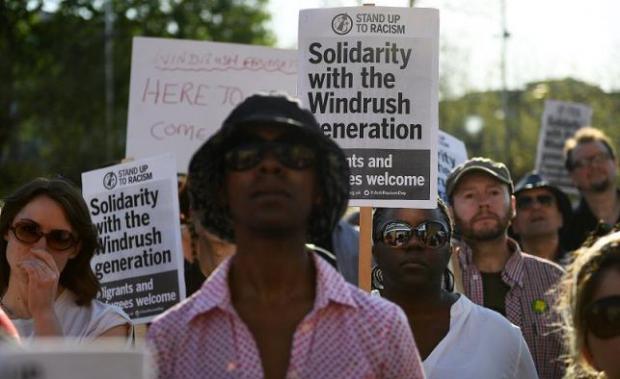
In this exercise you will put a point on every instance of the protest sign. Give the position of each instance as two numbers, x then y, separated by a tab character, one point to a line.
135	208
369	75
182	90
560	120
63	359
452	152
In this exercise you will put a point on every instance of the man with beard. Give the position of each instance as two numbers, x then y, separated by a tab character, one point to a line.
592	164
494	271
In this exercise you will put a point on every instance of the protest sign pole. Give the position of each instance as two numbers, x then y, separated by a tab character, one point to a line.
365	252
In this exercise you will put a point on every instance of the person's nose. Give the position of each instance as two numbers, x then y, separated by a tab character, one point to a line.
270	163
41	243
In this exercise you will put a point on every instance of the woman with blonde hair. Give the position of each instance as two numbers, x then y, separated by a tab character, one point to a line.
590	306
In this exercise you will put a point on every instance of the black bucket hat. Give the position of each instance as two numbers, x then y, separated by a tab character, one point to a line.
533	180
207	169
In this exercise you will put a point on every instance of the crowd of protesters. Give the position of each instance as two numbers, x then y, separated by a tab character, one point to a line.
500	281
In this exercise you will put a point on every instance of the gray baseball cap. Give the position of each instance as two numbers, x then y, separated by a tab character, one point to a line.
488	166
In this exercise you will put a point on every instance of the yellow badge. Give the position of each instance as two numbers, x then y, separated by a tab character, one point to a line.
539	306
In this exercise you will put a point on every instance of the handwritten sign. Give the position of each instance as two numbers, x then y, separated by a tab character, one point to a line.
182	90
369	75
139	262
560	121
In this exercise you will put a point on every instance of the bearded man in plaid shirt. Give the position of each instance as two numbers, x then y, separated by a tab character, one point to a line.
494	271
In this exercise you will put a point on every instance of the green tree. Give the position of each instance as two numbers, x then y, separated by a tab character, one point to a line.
52	74
525	108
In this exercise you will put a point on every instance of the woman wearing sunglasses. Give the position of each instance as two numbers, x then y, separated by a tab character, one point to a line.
456	338
47	286
590	304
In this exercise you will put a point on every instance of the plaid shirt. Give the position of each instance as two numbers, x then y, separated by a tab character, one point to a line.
529	303
347	334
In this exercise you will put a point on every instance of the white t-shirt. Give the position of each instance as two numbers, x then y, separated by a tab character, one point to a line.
481	343
80	322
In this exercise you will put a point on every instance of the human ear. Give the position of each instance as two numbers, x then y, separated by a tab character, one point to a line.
513	207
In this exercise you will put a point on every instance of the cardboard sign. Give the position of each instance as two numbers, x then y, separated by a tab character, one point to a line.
182	90
64	359
369	75
560	121
452	152
135	207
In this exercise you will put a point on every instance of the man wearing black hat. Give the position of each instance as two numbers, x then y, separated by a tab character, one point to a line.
269	180
495	272
542	211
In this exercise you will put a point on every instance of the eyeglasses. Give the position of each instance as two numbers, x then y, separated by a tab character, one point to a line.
294	155
587	162
527	202
602	317
397	234
30	232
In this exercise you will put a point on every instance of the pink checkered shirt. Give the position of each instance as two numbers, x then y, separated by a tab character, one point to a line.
347	334
529	302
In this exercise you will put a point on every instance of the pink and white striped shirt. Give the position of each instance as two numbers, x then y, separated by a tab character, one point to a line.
347	334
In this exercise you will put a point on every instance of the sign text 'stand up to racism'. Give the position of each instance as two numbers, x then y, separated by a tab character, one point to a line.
139	261
369	75
560	121
182	90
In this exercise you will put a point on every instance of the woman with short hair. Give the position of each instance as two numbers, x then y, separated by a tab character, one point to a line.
455	337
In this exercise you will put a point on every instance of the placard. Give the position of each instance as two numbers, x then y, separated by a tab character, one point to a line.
560	120
182	90
135	208
369	75
452	152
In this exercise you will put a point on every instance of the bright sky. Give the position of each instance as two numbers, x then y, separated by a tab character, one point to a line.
549	39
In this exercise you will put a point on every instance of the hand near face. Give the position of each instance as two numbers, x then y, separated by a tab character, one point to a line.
43	276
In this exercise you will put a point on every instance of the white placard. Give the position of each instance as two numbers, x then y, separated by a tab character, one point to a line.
452	152
182	90
560	121
64	359
370	74
135	207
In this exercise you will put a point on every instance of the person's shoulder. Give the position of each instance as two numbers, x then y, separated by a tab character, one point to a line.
372	305
494	323
541	264
179	314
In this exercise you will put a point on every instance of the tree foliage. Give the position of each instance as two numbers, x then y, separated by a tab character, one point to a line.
522	119
53	81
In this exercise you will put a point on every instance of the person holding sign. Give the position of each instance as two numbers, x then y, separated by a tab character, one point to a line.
47	285
590	159
269	180
542	212
412	248
495	272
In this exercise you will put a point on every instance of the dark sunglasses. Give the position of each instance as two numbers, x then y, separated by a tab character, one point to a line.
602	317
30	232
526	202
292	154
397	234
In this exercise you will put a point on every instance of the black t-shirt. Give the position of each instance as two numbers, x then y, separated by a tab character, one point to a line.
494	291
580	225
